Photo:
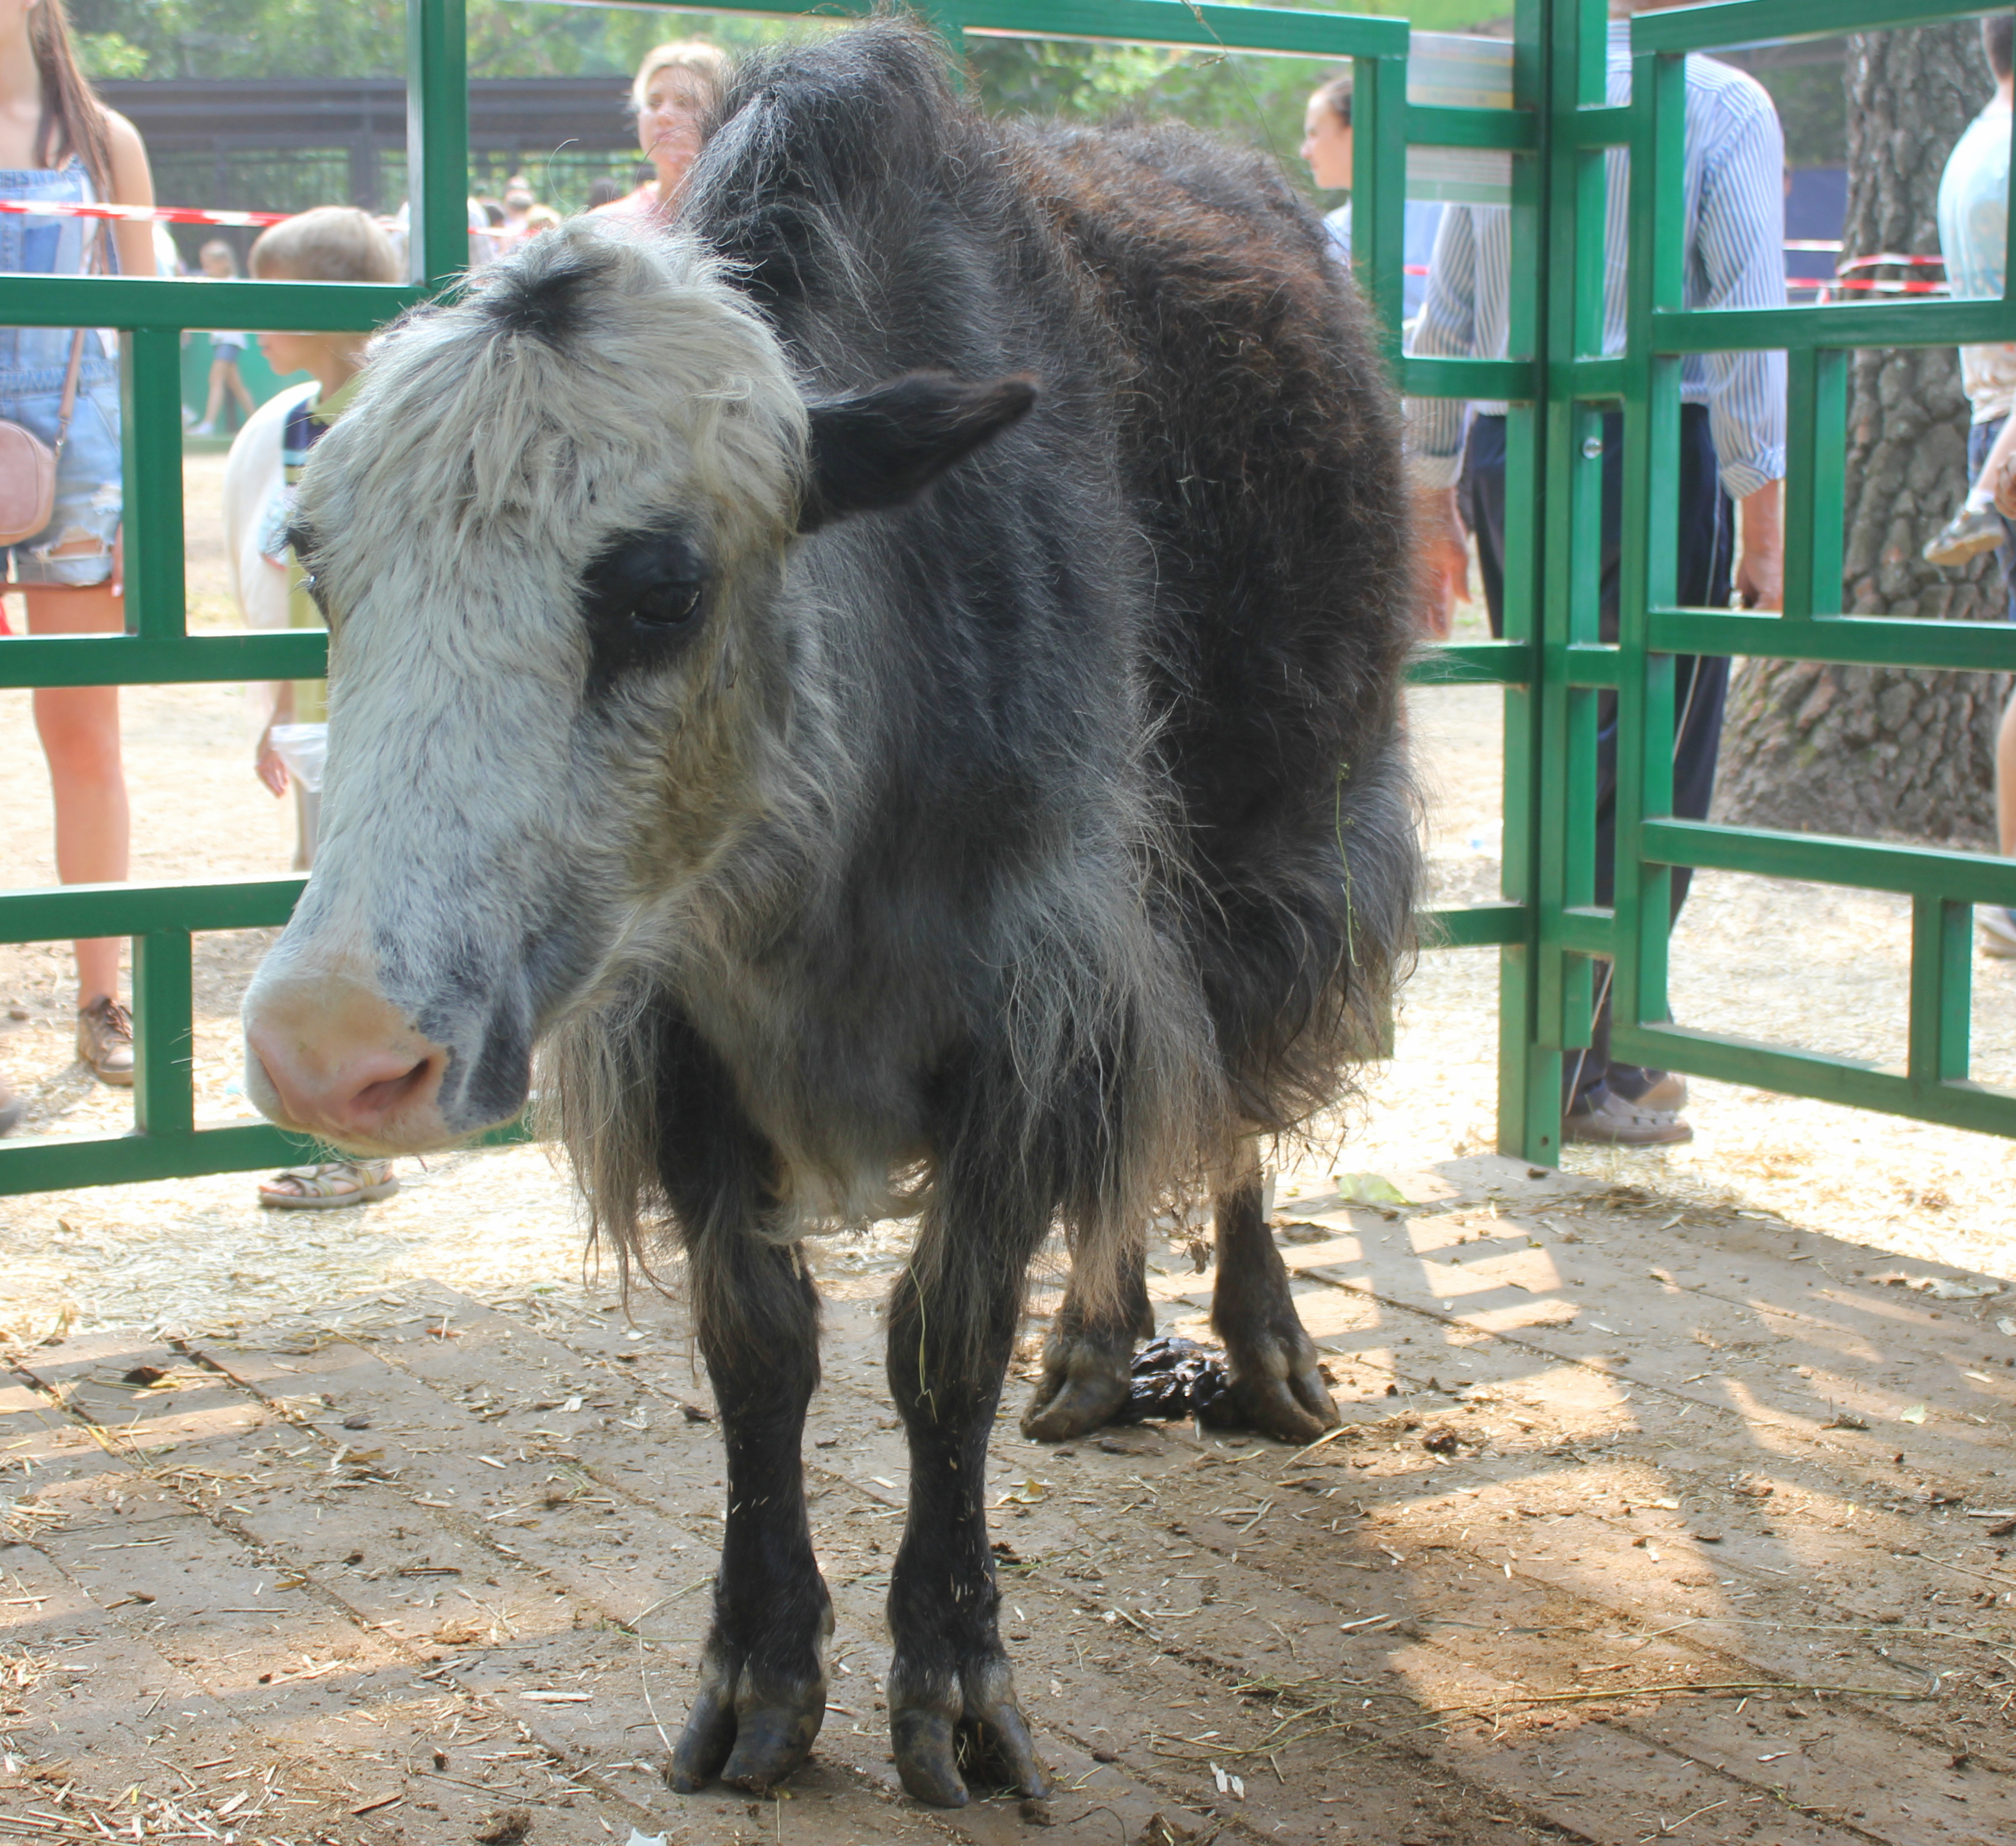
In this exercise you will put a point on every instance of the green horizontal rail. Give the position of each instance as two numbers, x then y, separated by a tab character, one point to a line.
1794	330
1265	28
49	1165
71	910
28	1164
1846	640
1472	926
1732	25
1826	858
162	301
1851	1083
1595	127
1592	381
1513	129
1484	380
137	660
1586	664
1473	662
1175	22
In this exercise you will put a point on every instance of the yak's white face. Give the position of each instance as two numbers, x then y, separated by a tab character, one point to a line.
549	536
539	535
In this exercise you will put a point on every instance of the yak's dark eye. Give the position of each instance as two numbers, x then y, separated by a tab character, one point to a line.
667	605
641	597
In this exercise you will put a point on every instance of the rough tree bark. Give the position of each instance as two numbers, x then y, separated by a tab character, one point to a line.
1872	750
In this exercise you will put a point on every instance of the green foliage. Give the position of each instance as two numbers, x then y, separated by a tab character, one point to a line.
1257	100
109	54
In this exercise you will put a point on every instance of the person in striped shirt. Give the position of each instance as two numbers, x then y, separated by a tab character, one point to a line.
1732	462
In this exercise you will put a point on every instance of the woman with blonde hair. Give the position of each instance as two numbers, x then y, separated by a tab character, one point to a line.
60	145
678	87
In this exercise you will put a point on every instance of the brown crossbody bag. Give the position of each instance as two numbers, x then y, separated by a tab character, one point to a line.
27	464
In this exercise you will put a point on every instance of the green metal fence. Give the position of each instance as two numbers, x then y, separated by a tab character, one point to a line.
1551	664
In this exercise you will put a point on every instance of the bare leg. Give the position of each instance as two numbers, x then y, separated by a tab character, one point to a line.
1086	1363
761	1696
1275	1382
213	406
951	1697
79	728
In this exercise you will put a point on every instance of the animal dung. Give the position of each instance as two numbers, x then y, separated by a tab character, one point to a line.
1173	1378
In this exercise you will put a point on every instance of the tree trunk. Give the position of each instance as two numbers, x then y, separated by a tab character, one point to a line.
1875	750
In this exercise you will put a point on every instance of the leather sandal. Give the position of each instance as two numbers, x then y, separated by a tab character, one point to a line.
329	1186
1615	1123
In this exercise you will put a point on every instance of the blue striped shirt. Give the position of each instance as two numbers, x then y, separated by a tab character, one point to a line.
1735	190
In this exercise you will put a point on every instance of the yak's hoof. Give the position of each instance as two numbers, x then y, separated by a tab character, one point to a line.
1085	1382
749	1728
1277	1389
969	1727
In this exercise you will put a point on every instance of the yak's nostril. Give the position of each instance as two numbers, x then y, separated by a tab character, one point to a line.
378	1099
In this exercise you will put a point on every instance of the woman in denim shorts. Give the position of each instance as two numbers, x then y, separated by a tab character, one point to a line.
58	144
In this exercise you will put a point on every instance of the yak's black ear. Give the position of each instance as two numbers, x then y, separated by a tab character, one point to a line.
879	448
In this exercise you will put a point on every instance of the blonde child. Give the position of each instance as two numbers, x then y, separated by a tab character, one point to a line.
331	243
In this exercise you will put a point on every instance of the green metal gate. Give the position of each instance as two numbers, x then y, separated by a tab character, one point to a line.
1551	664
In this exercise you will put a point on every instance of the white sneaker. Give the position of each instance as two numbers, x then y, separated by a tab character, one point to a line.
205	430
1998	930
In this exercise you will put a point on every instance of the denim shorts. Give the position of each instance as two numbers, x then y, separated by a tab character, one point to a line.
87	497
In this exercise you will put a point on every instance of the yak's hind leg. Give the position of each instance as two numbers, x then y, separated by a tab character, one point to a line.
1276	1385
761	1695
951	1325
1088	1357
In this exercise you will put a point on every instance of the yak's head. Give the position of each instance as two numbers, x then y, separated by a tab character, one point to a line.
550	538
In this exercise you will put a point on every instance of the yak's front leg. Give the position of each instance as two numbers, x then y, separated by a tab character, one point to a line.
951	1698
762	1689
1276	1382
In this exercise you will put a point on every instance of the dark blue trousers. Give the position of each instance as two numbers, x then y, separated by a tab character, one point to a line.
1707	557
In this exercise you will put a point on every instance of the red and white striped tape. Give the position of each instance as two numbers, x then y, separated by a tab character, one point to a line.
143	214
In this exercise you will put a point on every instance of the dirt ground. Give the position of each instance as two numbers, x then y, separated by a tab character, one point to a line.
1674	1500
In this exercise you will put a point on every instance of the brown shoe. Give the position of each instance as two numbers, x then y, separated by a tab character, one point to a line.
1615	1123
105	1041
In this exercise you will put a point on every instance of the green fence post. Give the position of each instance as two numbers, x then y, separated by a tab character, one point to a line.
1529	1065
164	1033
436	140
1648	574
151	444
1816	479
1942	996
1379	190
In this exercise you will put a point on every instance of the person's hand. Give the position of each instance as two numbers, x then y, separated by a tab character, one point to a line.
267	764
1760	571
1442	561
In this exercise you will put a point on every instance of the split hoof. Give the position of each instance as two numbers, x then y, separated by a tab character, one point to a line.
1281	1393
746	1729
975	1731
1084	1384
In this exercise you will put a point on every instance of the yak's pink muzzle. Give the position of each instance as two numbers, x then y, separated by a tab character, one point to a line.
331	1058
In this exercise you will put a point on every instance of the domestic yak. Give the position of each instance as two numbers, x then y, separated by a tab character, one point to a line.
892	687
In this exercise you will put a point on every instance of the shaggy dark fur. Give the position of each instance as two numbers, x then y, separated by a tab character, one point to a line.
1154	630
